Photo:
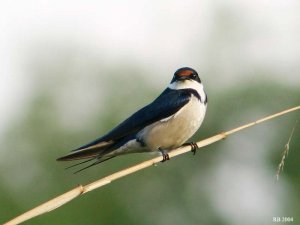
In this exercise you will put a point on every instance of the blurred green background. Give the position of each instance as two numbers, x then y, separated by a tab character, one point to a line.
70	72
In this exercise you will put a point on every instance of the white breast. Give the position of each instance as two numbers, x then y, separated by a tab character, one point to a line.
173	131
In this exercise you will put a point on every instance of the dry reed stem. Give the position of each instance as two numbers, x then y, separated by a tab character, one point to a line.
70	195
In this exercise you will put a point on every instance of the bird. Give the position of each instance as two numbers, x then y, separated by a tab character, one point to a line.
161	126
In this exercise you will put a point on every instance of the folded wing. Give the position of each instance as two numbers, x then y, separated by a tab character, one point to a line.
167	104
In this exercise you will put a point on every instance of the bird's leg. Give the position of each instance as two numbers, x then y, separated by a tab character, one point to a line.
193	145
164	154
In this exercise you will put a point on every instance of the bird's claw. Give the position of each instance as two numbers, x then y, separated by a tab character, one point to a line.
165	157
193	145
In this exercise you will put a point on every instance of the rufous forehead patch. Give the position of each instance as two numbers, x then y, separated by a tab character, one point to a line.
184	73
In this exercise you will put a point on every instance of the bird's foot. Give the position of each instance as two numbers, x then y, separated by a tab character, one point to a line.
193	145
165	155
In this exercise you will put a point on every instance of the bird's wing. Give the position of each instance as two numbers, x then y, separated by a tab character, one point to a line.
167	104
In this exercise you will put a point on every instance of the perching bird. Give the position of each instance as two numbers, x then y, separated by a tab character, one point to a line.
165	124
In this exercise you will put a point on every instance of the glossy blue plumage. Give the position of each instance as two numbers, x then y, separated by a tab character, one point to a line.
167	104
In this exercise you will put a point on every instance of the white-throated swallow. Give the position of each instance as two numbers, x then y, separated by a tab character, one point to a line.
165	124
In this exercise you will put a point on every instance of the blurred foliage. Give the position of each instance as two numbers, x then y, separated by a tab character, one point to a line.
176	192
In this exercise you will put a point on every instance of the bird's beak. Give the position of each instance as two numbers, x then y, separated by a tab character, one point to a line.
182	78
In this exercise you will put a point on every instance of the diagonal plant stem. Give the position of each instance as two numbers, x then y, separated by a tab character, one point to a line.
80	190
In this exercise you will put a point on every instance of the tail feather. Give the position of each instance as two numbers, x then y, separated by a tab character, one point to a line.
95	144
93	164
95	151
98	152
77	164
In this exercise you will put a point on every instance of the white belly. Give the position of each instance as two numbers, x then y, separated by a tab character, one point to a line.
172	132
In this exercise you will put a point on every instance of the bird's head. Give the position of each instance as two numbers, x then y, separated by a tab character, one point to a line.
185	73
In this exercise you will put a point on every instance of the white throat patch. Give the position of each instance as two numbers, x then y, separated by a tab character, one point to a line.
189	84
